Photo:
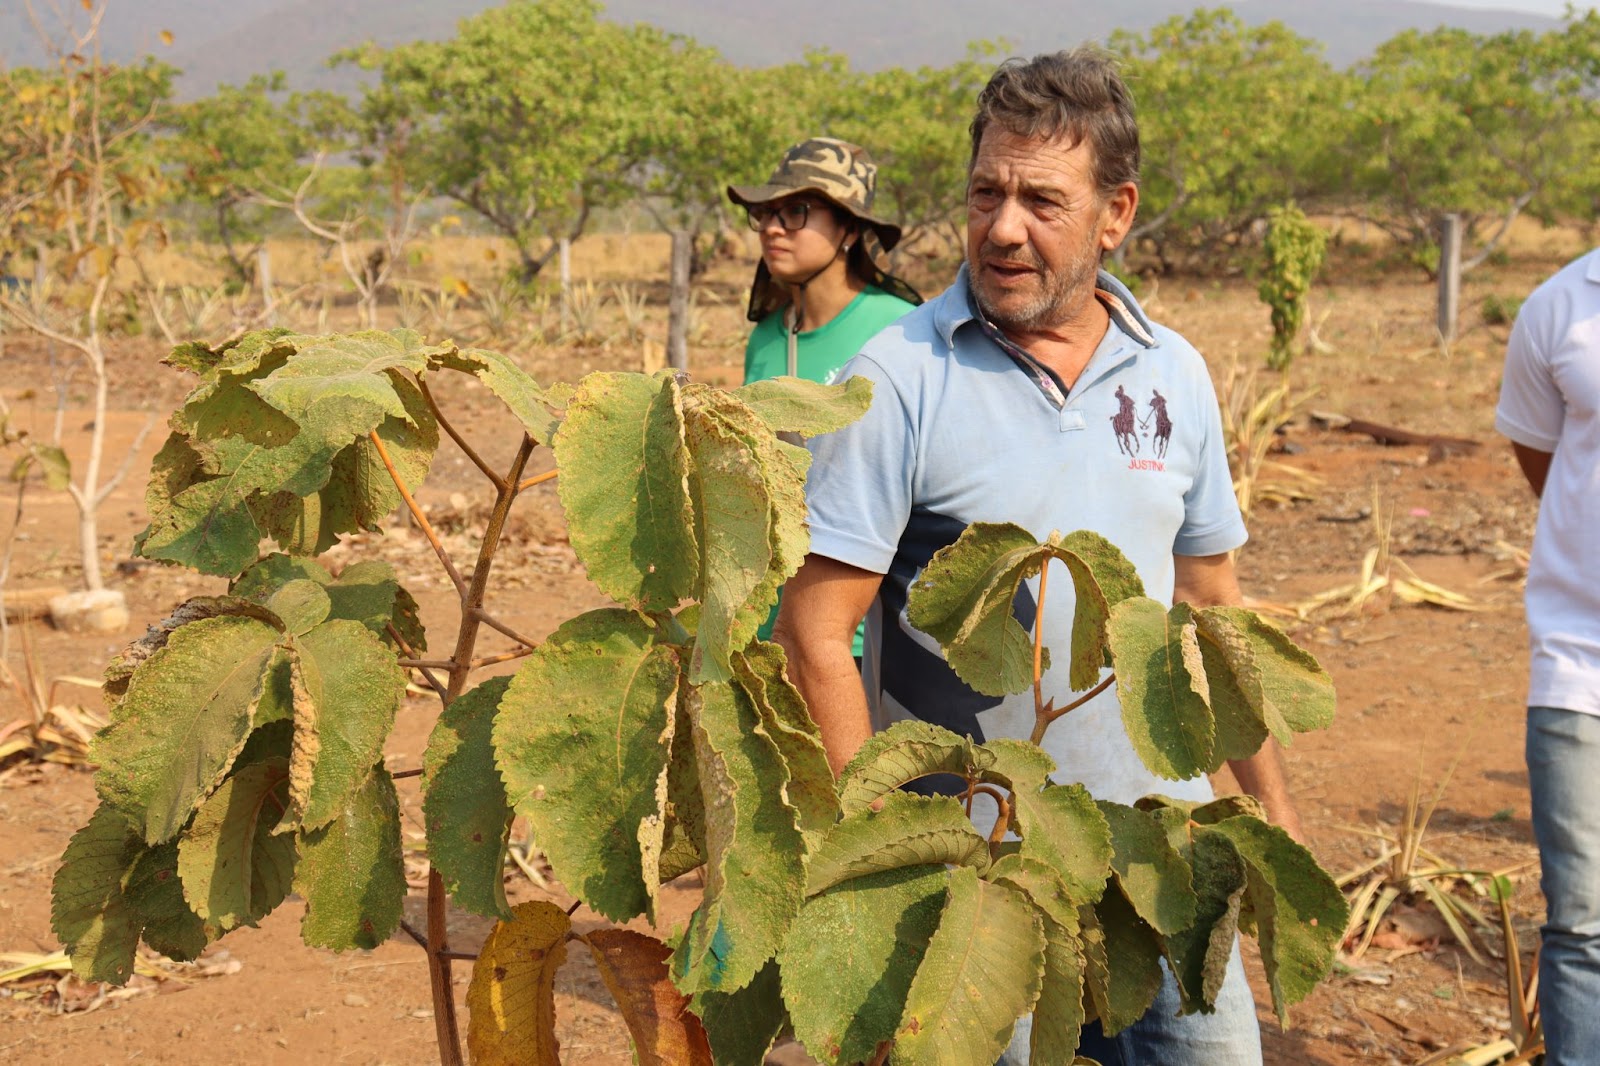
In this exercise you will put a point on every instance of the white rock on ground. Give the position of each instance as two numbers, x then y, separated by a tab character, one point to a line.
101	611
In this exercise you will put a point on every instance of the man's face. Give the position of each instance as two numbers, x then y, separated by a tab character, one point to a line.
1036	225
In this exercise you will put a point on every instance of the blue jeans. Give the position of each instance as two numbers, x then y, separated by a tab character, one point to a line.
1230	1037
1564	779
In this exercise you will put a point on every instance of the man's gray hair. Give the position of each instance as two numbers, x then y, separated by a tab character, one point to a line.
1077	95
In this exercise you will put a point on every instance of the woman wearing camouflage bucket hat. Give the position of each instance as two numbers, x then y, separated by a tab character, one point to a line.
819	294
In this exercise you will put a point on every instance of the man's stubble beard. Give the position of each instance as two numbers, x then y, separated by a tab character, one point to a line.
1061	295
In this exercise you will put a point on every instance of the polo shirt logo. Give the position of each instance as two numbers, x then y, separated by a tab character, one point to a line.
1129	427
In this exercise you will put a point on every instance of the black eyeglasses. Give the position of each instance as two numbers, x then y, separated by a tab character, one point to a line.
791	215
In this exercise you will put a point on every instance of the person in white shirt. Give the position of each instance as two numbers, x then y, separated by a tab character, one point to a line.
1550	409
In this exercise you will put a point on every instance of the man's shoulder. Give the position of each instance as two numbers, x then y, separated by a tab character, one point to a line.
1174	351
1576	283
907	343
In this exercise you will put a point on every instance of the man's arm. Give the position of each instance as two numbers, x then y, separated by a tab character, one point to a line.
1535	466
1209	581
822	606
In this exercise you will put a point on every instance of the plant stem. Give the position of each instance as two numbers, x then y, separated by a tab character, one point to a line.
472	614
1038	646
494	623
427	675
537	479
503	657
461	442
1051	715
422	519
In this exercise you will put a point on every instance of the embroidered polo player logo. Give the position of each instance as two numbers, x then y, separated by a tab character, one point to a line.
1155	426
1122	424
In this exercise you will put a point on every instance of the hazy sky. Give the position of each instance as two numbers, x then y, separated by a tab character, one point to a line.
1542	7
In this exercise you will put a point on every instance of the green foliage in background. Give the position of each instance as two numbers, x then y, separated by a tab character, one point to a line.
1294	247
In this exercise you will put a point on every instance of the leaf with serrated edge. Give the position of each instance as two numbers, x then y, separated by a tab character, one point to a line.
90	911
186	713
1163	704
1102	577
760	669
982	972
1233	683
1058	1014
1198	956
511	1005
634	969
904	752
234	870
652	832
351	872
733	528
578	735
347	689
909	830
156	892
742	1026
623	464
349	367
964	599
1122	961
1153	876
359	491
1297	911
809	408
508	381
464	802
301	604
1293	686
1061	827
851	956
755	877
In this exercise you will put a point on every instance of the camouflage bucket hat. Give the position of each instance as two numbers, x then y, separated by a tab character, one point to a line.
838	170
844	174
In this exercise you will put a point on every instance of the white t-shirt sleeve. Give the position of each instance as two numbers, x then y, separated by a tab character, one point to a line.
1531	409
858	491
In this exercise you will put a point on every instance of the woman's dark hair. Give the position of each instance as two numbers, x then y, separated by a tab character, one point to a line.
1078	95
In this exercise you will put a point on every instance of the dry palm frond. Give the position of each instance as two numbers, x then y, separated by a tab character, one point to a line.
634	307
1385	579
1514	563
49	730
1251	416
1408	872
1526	1042
47	980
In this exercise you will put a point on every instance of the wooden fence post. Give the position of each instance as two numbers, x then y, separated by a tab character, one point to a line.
264	278
1449	278
678	307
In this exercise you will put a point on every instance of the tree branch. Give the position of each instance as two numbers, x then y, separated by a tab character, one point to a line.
537	479
461	442
422	519
494	623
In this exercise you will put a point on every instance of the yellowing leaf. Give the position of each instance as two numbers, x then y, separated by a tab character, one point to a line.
512	995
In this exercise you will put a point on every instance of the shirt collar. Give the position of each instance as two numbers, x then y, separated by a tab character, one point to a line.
955	308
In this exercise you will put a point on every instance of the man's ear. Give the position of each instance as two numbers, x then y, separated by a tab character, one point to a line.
1120	208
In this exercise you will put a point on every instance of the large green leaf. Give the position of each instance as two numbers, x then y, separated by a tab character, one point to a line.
851	957
355	370
982	971
1289	688
1122	961
1296	910
234	870
1162	685
1061	827
110	888
1153	876
795	405
360	492
733	528
531	405
347	690
367	592
909	830
1058	1014
464	801
351	871
1198	956
904	752
623	463
761	672
755	877
579	743
743	1025
184	717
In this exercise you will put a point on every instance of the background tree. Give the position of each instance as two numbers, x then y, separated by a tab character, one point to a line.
1233	120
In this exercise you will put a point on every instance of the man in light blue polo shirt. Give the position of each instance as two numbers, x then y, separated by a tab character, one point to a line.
1034	390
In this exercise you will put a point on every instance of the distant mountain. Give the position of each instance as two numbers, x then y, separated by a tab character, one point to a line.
227	42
